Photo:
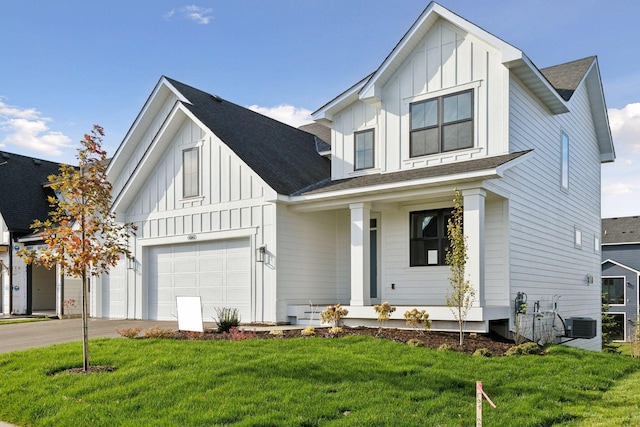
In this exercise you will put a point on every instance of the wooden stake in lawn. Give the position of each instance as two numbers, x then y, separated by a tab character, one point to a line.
81	235
479	395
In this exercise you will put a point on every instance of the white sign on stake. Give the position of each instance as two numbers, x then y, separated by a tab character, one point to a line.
189	314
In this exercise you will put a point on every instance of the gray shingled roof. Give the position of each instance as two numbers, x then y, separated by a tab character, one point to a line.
285	157
413	174
621	230
23	198
322	132
566	77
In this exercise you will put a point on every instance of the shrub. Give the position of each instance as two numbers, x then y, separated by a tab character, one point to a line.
158	332
128	332
417	317
525	348
333	314
227	318
445	347
482	352
308	331
414	342
384	311
236	334
276	333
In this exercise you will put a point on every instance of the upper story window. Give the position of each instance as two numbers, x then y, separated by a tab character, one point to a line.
564	166
364	149
442	124
429	240
191	172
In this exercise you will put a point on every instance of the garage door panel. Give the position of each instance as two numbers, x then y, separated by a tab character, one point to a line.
218	272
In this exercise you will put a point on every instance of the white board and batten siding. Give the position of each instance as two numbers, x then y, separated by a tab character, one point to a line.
446	61
309	266
202	246
538	205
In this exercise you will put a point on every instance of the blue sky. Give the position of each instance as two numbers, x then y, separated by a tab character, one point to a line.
66	65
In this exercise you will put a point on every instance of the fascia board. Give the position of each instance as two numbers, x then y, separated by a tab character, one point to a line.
125	194
626	267
527	72
397	186
116	165
347	97
508	52
593	81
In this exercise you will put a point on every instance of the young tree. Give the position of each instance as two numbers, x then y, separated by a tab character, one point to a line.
81	235
462	294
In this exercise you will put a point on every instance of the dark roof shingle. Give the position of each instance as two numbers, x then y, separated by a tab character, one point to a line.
566	77
23	197
285	157
621	230
408	175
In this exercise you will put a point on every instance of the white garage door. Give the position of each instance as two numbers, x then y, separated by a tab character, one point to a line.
217	271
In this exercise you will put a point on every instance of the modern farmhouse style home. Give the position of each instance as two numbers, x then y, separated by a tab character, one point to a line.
250	213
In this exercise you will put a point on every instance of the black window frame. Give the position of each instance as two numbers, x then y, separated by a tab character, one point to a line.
419	246
441	124
355	149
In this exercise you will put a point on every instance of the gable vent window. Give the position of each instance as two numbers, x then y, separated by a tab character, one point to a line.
364	149
191	172
564	162
442	124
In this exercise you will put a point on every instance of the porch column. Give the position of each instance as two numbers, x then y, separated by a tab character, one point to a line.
473	219
360	248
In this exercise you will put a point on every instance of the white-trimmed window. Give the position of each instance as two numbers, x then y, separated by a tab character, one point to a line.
613	290
364	149
441	124
191	172
577	238
596	244
564	165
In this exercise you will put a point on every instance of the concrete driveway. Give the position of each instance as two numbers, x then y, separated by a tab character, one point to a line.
21	336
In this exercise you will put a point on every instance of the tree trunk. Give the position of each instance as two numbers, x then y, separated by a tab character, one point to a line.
85	323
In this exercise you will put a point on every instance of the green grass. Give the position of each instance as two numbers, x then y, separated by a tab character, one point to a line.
352	381
26	320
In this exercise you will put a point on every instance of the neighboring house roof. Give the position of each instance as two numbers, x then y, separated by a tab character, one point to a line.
623	230
285	157
23	196
619	264
455	168
566	77
322	132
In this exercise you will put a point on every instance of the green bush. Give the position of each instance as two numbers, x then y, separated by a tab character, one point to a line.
525	348
445	347
414	342
482	352
227	318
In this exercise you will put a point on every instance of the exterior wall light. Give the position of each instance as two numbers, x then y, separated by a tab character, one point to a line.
260	253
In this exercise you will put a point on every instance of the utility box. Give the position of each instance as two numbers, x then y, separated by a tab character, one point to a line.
580	327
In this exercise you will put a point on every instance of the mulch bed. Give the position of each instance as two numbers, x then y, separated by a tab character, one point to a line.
496	345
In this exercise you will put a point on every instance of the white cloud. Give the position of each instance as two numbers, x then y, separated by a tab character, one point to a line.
167	16
621	180
293	116
199	15
26	128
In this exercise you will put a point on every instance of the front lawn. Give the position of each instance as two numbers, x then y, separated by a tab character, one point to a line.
347	381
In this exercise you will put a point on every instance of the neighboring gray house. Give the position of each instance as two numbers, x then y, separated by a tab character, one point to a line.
250	213
621	272
25	289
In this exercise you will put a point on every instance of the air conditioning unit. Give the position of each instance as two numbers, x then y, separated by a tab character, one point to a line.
580	327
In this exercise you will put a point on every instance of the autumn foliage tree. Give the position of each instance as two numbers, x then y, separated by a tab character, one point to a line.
81	235
461	295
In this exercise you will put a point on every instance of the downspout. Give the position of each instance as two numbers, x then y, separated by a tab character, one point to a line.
10	272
